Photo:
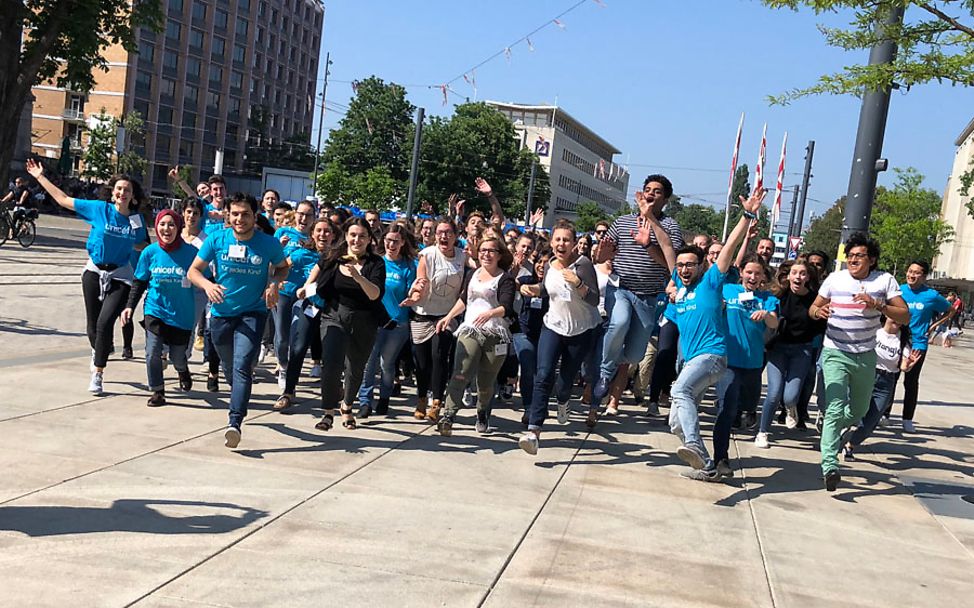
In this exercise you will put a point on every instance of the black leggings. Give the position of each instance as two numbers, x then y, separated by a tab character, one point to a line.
347	339
911	387
664	370
102	314
433	364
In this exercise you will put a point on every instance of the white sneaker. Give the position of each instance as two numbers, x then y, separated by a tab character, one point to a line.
908	426
316	370
761	441
791	417
96	386
282	379
469	398
528	442
231	437
562	412
263	354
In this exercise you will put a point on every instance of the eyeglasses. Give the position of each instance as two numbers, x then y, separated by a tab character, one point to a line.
490	251
687	264
392	241
857	256
599	232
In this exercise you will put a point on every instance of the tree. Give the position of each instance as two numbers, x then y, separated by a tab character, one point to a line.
825	231
98	157
906	222
63	40
742	183
185	173
129	161
589	214
932	45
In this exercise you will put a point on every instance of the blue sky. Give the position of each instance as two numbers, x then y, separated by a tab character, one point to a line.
664	81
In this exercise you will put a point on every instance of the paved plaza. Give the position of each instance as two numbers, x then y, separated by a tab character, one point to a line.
105	502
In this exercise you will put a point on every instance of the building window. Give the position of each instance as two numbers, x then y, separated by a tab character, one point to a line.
242	26
147	51
186	150
175	7
162	145
196	38
191	94
220	19
239	53
143	81
212	101
261	9
170	60
173	30
236	79
167	86
189	122
243	6
218	47
199	11
193	67
233	131
260	35
234	113
216	75
165	115
211	125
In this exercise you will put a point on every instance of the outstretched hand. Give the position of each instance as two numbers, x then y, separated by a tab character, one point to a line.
174	173
754	202
536	216
483	187
34	168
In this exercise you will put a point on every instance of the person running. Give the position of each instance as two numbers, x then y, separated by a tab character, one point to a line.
569	326
350	280
400	262
483	338
191	212
306	312
643	271
170	304
117	229
852	301
699	313
792	351
924	303
750	311
894	354
214	217
243	289
439	277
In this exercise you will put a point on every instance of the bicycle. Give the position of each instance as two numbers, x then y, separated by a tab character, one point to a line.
19	224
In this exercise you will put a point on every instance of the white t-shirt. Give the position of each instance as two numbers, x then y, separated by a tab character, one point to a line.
568	313
445	277
852	327
888	351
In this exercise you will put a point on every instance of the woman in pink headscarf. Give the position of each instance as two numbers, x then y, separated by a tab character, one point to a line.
169	303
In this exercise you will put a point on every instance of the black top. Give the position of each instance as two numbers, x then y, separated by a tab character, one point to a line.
334	288
533	310
796	327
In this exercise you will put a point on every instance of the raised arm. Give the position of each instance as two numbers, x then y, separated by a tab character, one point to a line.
751	207
36	171
752	231
497	213
174	176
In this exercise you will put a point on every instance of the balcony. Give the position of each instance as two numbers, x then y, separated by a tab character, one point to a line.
73	115
75	145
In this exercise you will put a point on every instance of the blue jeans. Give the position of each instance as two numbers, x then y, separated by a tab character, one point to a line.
592	365
631	321
237	340
882	398
787	369
385	353
697	375
153	360
282	314
553	347
304	332
527	357
737	390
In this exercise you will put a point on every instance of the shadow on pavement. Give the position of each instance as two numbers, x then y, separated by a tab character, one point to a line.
24	327
128	515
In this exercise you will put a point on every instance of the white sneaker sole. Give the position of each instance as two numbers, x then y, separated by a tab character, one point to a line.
691	457
231	438
528	445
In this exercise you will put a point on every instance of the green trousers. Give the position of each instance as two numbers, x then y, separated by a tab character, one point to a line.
849	380
474	361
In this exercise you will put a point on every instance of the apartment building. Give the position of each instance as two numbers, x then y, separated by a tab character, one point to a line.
579	162
956	259
222	74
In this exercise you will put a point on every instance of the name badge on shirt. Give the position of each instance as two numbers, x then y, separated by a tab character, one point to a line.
500	349
681	293
311	311
185	283
237	252
564	292
536	303
135	221
745	296
310	289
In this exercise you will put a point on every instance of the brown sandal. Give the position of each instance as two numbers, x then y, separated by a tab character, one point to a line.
327	421
420	413
433	413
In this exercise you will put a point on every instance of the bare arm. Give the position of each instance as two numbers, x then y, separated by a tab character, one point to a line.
752	231
820	309
37	172
174	175
897	310
497	213
420	286
751	207
214	291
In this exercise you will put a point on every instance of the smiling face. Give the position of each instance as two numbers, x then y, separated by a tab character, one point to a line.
654	199
427	231
279	215
242	219
752	277
563	244
524	248
191	217
714	252
122	193
688	267
218	191
489	254
322	236
765	249
798	279
915	277
303	217
475	224
539	266
859	262
166	227
393	244
202	189
358	239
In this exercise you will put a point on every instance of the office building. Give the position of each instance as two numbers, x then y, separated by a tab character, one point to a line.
221	74
956	260
579	163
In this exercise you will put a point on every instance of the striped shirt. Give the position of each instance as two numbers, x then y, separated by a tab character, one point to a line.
852	327
638	272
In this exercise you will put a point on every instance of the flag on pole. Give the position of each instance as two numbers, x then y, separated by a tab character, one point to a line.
507	54
530	46
730	180
762	152
446	98
558	23
601	168
776	206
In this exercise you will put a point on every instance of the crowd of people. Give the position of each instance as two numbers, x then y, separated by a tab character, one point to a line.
475	310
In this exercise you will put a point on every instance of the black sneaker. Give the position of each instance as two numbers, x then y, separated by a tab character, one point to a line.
724	468
158	398
444	426
782	416
481	423
127	352
751	420
364	411
185	381
396	391
212	384
382	407
832	480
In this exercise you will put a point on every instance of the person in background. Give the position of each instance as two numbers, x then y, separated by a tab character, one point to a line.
427	233
268	202
765	249
702	241
373	219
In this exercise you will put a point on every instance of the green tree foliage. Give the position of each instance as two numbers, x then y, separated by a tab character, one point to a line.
742	183
697	219
129	161
935	42
63	40
589	214
478	141
825	231
98	157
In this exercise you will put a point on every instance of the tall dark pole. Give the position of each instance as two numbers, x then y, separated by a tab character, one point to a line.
800	219
321	124
527	208
794	230
414	167
866	162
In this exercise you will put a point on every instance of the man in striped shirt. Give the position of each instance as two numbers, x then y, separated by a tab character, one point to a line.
853	301
641	247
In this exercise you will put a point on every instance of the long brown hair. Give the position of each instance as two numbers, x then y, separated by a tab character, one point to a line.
408	248
341	248
781	286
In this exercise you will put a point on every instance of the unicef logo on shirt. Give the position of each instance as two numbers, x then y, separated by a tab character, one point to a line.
919	305
179	271
256	260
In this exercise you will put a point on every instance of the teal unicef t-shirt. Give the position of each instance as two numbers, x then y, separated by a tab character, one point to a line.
700	315
294	236
113	235
242	268
302	261
745	343
211	225
170	294
924	305
400	275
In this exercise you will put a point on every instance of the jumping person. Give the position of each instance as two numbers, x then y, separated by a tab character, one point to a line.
240	294
116	229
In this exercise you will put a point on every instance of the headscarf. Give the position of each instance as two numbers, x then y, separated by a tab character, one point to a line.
178	241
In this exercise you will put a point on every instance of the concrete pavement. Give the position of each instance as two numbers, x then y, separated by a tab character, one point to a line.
105	502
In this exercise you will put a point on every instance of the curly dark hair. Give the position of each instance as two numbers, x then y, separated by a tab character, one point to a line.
663	181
